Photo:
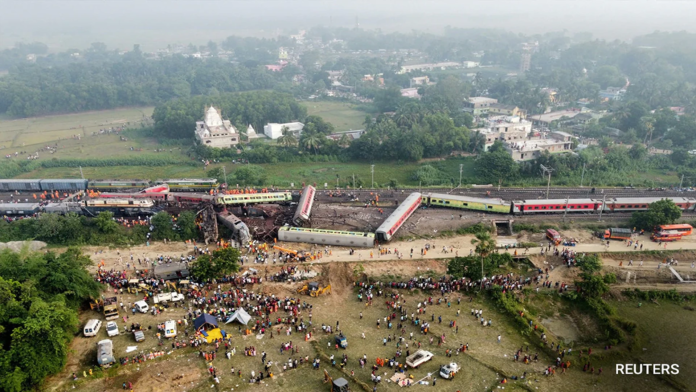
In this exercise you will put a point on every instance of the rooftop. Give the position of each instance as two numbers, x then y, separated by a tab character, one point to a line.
482	100
553	116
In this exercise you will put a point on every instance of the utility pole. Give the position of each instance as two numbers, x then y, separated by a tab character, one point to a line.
604	201
336	180
353	180
547	170
582	178
461	169
81	175
680	182
224	173
372	170
566	209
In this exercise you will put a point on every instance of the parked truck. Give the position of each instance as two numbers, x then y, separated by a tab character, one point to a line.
418	358
111	308
616	234
167	297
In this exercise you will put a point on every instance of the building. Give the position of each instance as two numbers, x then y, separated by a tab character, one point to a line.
470	64
251	133
506	110
479	105
506	129
532	149
543	120
410	93
429	67
213	131
525	61
352	135
612	94
275	130
419	81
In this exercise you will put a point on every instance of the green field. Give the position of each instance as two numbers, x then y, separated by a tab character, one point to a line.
32	134
281	175
342	115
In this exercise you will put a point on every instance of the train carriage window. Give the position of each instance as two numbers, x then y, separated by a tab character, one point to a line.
543	208
490	207
447	202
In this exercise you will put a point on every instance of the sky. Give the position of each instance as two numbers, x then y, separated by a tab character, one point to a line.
66	24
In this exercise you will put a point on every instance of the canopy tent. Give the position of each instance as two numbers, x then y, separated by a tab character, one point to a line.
239	315
205	320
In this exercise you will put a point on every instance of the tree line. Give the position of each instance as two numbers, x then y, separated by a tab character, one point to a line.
127	80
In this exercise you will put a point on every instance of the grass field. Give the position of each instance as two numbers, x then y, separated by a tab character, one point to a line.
342	115
30	134
280	175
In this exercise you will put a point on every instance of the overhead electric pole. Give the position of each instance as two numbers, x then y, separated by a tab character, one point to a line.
461	169
548	171
372	170
582	178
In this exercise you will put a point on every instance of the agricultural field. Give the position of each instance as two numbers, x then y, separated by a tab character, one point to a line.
75	135
342	115
279	175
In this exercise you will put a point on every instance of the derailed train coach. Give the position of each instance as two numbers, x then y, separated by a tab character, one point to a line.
326	237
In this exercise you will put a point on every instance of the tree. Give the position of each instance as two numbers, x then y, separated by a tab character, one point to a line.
187	225
661	212
495	164
163	226
388	99
592	283
220	263
251	175
470	266
105	222
288	138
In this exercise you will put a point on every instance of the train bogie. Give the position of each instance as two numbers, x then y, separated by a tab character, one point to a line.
326	237
386	230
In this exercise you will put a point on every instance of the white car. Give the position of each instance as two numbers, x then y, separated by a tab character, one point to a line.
111	328
448	371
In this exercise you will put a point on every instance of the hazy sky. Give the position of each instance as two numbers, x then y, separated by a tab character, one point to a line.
154	23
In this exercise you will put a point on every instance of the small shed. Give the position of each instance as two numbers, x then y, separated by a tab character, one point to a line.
340	385
205	321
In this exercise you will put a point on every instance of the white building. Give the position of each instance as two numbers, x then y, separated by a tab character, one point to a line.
213	131
251	133
275	130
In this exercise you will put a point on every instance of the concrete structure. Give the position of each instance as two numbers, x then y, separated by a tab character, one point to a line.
419	81
612	94
352	135
532	149
275	130
410	93
251	133
506	110
470	64
525	61
479	105
506	129
429	66
547	118
213	131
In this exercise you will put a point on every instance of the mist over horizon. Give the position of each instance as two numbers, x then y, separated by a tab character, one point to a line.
153	24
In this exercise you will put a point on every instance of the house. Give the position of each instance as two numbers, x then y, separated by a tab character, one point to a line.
543	120
532	149
678	110
410	93
612	94
470	64
213	131
506	129
479	105
506	110
428	67
419	81
275	130
352	135
562	136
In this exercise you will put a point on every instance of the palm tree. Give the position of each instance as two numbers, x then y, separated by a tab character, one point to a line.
288	139
311	141
484	246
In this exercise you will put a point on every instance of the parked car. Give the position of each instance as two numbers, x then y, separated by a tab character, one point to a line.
111	328
166	297
448	371
92	327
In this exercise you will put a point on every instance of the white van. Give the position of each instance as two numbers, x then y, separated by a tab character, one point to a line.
141	306
169	329
92	327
